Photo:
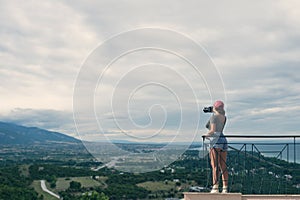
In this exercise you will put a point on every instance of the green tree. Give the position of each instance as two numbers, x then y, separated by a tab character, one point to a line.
52	185
94	196
74	185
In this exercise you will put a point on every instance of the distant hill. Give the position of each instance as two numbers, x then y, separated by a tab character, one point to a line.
15	134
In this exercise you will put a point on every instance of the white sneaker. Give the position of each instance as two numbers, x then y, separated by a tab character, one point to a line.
225	190
214	190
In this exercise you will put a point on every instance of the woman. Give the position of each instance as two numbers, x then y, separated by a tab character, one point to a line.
218	146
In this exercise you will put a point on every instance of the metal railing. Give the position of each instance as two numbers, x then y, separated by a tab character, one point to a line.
261	166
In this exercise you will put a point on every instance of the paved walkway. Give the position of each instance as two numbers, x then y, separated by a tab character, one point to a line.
45	189
236	196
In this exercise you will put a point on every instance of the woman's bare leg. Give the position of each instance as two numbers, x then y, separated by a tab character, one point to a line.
214	161
223	167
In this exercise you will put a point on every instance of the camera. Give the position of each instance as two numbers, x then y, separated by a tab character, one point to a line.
208	109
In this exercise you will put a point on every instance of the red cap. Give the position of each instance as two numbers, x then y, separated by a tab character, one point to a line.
219	104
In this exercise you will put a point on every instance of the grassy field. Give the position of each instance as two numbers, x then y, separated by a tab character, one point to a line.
86	182
64	183
157	186
37	187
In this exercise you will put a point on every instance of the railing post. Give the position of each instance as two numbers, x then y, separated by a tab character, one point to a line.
245	179
245	152
203	153
295	150
288	152
252	167
252	155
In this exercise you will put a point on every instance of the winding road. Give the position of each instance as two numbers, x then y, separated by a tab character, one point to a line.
45	189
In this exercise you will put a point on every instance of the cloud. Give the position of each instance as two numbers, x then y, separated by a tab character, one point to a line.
255	46
41	53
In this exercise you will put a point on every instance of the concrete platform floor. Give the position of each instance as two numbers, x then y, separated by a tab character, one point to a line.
236	196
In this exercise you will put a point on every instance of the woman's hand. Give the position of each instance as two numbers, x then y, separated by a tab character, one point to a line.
207	136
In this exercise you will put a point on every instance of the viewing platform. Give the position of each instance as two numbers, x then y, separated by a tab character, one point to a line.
236	196
259	167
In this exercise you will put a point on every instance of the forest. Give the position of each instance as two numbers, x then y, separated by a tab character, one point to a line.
73	179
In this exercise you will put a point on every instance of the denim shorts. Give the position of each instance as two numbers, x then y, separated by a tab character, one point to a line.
218	140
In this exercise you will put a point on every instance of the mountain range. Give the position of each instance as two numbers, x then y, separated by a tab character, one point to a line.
16	134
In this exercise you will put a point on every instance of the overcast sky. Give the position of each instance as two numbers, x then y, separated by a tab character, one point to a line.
254	45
